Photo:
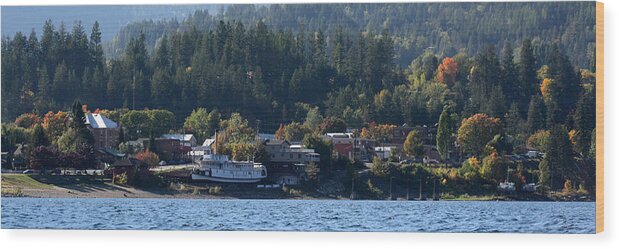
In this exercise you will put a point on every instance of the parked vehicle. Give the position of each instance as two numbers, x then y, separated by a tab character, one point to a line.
529	187
532	154
30	171
507	187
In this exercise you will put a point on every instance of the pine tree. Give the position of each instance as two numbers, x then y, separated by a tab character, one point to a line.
38	137
95	48
78	123
559	163
527	75
584	121
509	76
567	82
513	121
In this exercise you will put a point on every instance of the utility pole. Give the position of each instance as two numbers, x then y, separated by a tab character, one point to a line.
391	197
420	187
434	196
257	139
133	94
408	189
352	189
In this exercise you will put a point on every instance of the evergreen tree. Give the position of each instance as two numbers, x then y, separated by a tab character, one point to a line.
559	164
38	137
567	86
536	114
509	76
78	123
584	121
527	74
95	47
445	133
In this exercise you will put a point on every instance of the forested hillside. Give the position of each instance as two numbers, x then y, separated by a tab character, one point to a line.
346	68
276	75
443	28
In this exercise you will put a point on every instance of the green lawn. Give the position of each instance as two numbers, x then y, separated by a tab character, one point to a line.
21	181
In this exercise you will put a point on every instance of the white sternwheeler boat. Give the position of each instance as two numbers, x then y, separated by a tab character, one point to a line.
219	168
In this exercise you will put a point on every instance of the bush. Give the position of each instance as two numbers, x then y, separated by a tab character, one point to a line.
148	157
582	189
470	169
285	188
295	192
568	187
373	190
16	192
120	179
27	120
215	190
380	168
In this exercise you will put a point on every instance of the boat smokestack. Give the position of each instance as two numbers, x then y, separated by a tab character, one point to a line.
215	144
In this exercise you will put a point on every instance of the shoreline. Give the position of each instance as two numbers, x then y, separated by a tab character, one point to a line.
23	186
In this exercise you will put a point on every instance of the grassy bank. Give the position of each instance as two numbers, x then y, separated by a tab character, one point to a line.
22	181
14	185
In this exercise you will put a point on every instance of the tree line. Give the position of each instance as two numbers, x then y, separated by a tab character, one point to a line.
349	80
444	28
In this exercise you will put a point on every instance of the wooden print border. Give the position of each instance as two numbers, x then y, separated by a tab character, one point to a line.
599	117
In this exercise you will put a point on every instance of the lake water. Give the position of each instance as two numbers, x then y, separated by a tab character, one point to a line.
298	215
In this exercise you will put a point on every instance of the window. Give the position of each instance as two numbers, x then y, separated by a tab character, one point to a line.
299	156
291	156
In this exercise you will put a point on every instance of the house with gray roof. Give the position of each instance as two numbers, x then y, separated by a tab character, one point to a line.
104	130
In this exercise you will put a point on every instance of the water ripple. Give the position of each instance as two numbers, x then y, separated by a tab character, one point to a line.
298	215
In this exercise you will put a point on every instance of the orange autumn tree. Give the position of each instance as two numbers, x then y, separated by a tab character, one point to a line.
27	120
381	132
476	131
55	124
447	71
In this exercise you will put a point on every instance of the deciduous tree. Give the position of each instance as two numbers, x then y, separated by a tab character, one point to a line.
476	131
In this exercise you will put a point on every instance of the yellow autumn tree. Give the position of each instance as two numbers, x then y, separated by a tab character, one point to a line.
546	88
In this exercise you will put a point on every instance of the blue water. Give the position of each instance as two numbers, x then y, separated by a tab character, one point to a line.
298	215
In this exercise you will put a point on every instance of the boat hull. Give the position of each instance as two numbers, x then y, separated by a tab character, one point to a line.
198	177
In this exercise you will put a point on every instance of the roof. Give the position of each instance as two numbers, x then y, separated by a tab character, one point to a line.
339	135
112	152
182	137
276	142
200	148
208	142
99	121
125	162
266	136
